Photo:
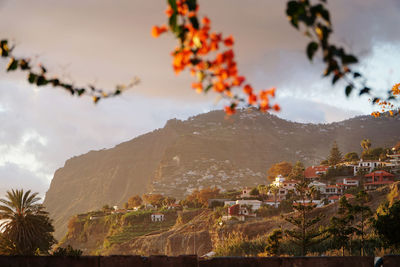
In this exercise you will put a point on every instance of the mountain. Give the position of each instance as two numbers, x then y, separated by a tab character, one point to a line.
206	150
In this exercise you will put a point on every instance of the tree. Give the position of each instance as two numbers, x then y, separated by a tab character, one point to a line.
254	192
153	199
27	228
273	243
305	234
340	227
68	251
396	147
282	168
168	201
335	156
200	198
297	172
378	153
351	157
387	223
273	189
134	201
364	213
365	144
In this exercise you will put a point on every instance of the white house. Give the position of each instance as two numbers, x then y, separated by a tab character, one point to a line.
245	193
255	204
367	165
157	217
321	187
278	182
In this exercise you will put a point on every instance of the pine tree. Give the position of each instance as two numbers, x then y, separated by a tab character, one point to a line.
364	213
297	172
340	228
335	156
305	234
273	243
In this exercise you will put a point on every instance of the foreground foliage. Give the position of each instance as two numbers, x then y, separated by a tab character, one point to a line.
27	229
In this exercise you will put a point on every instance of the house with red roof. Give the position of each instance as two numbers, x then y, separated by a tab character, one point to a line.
377	179
315	172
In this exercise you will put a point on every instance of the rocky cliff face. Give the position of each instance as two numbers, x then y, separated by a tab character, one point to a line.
205	150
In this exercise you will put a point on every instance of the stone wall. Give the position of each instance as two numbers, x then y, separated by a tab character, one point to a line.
192	261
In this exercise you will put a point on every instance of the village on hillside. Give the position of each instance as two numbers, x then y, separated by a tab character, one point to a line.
339	176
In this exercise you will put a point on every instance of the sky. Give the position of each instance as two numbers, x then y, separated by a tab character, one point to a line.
107	42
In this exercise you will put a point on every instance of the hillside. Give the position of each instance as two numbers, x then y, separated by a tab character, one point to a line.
205	150
182	233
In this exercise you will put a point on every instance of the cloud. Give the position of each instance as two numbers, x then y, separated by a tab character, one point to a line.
98	41
13	176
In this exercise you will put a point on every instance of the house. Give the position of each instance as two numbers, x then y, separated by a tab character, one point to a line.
333	199
348	183
245	193
272	202
377	179
283	187
321	187
278	182
254	204
157	217
394	162
315	172
240	212
366	165
333	190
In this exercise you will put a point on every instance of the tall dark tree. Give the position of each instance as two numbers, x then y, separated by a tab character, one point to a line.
387	223
363	214
335	156
297	172
340	228
274	242
306	233
351	157
27	228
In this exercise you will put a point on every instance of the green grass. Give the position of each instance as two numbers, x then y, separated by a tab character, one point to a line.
138	224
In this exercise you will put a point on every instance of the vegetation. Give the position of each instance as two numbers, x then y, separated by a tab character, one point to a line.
27	229
305	234
341	227
386	224
335	156
68	251
199	198
297	172
351	157
134	201
282	168
273	247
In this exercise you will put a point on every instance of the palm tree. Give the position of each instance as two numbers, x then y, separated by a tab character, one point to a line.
26	226
365	144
